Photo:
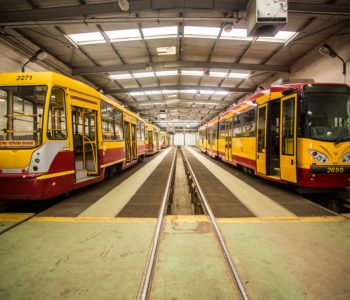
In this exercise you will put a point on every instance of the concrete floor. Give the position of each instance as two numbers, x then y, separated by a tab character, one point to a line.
68	258
75	258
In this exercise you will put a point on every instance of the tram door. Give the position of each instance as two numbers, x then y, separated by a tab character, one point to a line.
228	140
84	142
130	141
288	139
261	139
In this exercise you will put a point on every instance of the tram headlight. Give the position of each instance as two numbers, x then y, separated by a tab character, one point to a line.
318	156
346	157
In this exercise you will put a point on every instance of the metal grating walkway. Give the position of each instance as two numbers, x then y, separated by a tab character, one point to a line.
222	202
147	200
295	203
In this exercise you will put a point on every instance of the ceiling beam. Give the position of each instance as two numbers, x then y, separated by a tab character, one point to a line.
179	87
175	103
171	65
73	11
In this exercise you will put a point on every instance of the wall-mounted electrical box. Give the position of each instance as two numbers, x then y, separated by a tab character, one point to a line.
266	17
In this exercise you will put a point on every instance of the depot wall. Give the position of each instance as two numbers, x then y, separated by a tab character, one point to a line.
318	67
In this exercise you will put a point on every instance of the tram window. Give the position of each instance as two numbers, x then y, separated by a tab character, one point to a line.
261	129
288	127
237	126
248	123
21	115
57	127
112	122
140	131
222	130
118	118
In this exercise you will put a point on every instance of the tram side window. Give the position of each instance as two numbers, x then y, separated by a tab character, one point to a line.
222	129
288	127
57	126
261	129
112	122
237	126
248	123
140	131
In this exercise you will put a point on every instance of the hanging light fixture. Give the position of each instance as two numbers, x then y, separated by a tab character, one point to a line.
124	5
327	50
38	55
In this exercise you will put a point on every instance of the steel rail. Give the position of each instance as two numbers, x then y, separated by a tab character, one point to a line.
146	279
217	231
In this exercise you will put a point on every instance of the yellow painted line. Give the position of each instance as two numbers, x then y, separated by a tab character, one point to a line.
14	217
112	163
346	215
55	175
283	220
93	220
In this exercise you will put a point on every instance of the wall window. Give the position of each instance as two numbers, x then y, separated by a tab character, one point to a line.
112	122
57	127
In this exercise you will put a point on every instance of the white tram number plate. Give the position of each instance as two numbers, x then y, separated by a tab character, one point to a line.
330	169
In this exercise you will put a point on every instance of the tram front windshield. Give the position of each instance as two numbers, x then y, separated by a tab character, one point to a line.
21	116
328	116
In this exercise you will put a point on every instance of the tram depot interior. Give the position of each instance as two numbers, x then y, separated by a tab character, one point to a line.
174	149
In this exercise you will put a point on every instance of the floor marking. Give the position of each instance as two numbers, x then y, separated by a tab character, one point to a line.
93	220
14	217
325	219
258	203
113	202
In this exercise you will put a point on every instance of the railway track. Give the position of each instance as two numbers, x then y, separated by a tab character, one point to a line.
146	286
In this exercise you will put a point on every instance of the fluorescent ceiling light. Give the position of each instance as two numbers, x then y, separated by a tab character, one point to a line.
124	35
188	91
192	73
217	74
169	91
136	93
207	92
86	38
280	37
143	74
201	32
236	34
166	50
160	32
154	92
221	93
120	76
167	73
238	75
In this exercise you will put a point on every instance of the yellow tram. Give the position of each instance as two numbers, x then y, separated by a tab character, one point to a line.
58	134
152	139
292	133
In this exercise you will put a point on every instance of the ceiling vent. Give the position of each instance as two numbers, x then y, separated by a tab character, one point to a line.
266	17
166	50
